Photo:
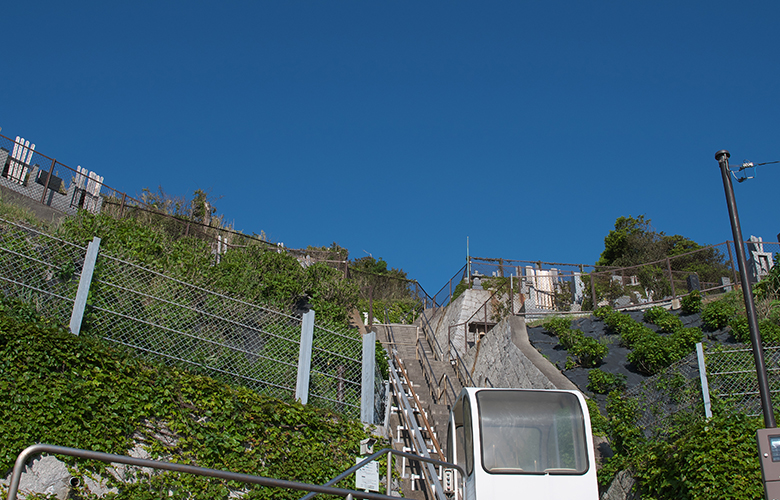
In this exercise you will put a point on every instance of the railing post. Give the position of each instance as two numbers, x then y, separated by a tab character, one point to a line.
367	381
304	357
77	315
671	277
48	179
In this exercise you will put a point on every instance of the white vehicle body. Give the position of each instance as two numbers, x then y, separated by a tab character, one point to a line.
523	443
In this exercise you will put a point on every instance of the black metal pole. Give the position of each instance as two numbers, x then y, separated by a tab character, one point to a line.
747	291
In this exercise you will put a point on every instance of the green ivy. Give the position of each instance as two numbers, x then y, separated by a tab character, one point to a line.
78	391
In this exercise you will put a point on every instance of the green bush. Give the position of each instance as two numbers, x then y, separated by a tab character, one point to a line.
684	341
654	314
770	332
716	315
601	382
589	351
557	325
691	303
650	354
666	321
598	422
713	458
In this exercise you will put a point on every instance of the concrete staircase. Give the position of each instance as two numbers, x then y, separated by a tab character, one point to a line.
433	384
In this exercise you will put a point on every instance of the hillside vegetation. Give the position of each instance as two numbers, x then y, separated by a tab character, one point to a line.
77	391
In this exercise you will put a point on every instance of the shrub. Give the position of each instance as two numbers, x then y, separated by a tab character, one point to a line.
684	341
598	422
602	382
650	354
770	332
589	351
557	325
654	313
666	321
716	315
691	303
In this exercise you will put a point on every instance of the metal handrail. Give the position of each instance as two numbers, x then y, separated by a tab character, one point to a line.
431	374
459	363
389	451
35	449
407	415
427	424
435	340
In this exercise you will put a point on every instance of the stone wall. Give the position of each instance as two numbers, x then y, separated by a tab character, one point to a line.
497	362
455	316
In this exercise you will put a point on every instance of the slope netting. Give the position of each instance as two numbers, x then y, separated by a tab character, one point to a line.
39	269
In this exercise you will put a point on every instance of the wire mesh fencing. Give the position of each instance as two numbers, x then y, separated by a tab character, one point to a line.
181	323
336	370
732	377
667	396
39	269
676	392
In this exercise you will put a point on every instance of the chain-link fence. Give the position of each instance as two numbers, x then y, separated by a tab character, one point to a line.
165	317
39	269
336	370
665	397
732	377
179	323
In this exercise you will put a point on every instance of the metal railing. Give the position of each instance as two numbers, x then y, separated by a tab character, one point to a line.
437	387
388	452
409	422
33	450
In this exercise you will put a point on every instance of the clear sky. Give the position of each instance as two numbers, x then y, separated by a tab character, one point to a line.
401	128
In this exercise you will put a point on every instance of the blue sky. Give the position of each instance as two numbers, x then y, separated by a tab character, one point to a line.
400	129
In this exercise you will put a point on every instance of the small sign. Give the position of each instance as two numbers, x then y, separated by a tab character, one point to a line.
367	477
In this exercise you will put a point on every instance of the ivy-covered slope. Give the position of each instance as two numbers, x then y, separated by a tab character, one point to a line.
77	391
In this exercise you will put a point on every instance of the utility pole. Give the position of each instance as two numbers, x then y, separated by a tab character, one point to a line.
747	291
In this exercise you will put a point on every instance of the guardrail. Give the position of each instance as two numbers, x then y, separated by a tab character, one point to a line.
33	450
390	451
407	416
430	379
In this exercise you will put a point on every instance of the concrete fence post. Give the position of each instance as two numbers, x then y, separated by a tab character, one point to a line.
705	387
77	315
304	358
367	382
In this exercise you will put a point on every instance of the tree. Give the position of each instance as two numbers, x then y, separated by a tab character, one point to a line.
634	242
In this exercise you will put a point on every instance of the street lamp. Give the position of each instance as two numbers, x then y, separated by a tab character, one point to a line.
747	291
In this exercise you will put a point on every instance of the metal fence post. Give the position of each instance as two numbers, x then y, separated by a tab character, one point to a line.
367	382
705	388
77	315
304	357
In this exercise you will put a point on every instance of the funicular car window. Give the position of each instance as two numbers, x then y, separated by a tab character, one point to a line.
533	432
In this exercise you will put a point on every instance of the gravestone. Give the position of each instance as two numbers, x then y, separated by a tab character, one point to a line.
725	283
760	262
578	289
693	283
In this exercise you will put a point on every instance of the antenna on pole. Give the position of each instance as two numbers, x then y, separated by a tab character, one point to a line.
468	261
